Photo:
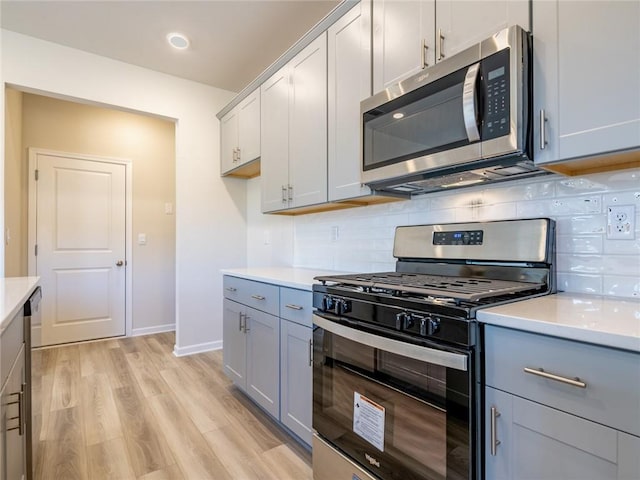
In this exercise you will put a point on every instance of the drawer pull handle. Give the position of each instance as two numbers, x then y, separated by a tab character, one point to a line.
293	307
230	289
576	382
494	441
258	297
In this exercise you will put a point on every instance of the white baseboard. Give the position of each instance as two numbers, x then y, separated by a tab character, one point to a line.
199	348
136	332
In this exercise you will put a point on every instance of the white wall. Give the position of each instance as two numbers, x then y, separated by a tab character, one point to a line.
210	211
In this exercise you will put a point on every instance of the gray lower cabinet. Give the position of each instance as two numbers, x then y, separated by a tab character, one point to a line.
13	408
296	378
250	355
558	409
533	441
267	349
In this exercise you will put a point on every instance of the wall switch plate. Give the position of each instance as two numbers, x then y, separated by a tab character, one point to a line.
621	222
168	208
142	239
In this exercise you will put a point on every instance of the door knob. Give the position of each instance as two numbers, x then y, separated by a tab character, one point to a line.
119	263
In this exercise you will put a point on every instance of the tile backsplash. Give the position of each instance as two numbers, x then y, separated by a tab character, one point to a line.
361	239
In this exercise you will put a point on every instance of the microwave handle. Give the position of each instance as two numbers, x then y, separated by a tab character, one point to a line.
469	106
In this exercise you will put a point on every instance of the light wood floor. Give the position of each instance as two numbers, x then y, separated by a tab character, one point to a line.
128	409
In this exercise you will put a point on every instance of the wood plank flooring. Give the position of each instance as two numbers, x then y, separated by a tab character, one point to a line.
128	409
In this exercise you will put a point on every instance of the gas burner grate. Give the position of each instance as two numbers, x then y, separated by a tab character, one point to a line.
457	288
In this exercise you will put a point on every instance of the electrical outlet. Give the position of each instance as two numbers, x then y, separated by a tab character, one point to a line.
621	222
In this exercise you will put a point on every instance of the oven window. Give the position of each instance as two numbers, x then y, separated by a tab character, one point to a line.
421	122
399	418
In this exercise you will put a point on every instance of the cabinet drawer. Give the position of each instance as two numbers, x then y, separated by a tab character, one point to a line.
296	305
261	296
611	396
10	344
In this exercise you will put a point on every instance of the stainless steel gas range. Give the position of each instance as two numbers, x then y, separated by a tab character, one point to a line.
396	363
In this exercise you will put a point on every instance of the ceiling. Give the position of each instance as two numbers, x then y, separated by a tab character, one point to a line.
232	41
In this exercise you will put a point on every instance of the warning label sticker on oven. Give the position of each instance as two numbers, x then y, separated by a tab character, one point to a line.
368	420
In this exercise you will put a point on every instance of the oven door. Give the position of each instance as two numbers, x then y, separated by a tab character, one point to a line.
397	409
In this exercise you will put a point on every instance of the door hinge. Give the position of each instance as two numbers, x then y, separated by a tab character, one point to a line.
37	174
36	250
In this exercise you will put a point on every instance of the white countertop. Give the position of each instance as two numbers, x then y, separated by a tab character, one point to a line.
608	321
14	291
292	277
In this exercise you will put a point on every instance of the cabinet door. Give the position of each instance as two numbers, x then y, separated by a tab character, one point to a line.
13	444
249	128
308	125
538	442
296	372
403	39
586	77
349	74
463	23
228	141
274	141
628	456
234	342
263	360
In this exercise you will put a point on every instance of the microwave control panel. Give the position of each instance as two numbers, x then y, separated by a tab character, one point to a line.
495	71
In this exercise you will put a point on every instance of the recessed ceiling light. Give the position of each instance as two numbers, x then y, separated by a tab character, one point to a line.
177	40
398	115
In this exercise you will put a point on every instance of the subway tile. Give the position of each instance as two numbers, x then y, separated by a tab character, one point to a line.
578	283
622	247
588	264
568	244
622	286
581	225
621	265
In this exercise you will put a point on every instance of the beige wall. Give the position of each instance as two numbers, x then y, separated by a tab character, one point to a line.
15	189
149	143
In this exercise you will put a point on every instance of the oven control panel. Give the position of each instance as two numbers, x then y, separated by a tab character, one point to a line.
466	237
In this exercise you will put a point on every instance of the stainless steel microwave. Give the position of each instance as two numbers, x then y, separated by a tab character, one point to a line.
463	121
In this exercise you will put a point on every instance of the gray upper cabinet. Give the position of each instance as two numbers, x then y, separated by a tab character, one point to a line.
240	138
349	73
587	84
294	131
411	35
555	408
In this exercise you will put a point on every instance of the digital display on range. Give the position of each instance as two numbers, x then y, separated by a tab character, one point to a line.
466	237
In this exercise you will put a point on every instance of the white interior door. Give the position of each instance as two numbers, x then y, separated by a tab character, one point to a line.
81	248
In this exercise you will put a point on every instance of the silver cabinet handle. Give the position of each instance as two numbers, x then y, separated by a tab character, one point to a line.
441	44
231	289
290	188
469	103
543	126
576	382
240	321
246	329
494	441
258	297
21	410
423	53
284	194
310	352
293	307
119	263
235	155
239	154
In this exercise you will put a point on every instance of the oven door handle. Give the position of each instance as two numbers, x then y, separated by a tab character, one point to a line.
417	352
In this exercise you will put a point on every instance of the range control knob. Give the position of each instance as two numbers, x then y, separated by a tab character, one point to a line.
327	303
342	306
401	318
429	326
